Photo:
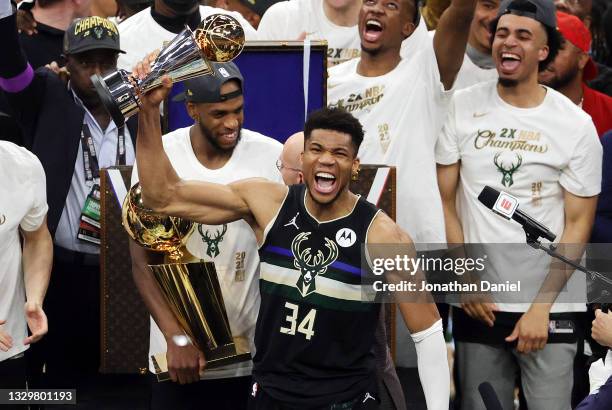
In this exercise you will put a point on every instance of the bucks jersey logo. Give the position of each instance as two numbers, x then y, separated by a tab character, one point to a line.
507	171
309	264
212	242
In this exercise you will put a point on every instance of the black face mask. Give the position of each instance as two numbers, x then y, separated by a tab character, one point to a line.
181	7
177	24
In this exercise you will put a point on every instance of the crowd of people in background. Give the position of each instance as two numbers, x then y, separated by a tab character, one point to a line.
438	86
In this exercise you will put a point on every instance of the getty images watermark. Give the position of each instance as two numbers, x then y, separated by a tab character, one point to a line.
510	273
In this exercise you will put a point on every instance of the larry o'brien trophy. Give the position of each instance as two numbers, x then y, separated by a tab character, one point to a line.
191	289
218	38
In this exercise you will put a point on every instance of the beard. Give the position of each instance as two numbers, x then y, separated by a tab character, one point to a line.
210	137
561	80
507	82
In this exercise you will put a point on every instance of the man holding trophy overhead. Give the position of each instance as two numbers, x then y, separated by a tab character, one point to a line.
310	353
214	149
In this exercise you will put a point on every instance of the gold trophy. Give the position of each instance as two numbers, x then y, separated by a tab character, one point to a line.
218	38
191	289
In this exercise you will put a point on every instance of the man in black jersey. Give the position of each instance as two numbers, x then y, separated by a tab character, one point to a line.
314	335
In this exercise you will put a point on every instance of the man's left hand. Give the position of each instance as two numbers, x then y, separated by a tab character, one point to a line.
602	328
531	330
37	322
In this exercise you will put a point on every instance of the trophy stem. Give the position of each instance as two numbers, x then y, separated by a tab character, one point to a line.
106	98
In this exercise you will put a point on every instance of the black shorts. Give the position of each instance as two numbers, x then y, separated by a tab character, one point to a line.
260	400
214	394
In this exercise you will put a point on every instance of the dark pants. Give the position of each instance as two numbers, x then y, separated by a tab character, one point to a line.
217	394
260	400
71	349
13	376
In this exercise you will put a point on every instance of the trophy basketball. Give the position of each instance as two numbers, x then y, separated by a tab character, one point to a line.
192	290
218	38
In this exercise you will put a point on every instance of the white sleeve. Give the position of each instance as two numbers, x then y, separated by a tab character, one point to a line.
6	8
276	23
432	362
38	208
582	176
447	145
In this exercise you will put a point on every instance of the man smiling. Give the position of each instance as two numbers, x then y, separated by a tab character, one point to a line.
529	140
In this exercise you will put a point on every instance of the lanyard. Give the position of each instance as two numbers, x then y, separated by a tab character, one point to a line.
90	159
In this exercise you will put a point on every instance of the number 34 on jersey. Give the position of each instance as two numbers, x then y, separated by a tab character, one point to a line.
306	325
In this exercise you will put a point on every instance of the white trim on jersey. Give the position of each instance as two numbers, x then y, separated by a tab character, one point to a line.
325	286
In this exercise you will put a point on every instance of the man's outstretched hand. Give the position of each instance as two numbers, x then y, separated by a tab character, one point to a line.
153	98
37	322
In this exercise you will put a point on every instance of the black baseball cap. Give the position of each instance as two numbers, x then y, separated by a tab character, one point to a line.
91	33
207	88
540	10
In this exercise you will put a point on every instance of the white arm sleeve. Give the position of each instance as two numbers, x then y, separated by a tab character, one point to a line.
433	366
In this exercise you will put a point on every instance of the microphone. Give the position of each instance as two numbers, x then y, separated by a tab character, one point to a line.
489	397
506	205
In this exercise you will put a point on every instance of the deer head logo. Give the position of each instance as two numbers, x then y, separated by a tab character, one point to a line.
507	173
310	265
212	243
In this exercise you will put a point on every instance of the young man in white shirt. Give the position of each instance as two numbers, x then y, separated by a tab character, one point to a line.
518	136
401	100
215	149
478	64
332	20
24	272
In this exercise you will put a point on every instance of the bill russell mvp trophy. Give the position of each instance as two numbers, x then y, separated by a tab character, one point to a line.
218	38
192	290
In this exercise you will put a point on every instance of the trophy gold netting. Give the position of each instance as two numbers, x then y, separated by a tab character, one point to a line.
218	38
192	290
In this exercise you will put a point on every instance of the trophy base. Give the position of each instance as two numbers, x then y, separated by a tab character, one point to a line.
242	355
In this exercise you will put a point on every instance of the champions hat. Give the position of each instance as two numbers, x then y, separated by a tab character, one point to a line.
91	33
207	88
539	10
573	30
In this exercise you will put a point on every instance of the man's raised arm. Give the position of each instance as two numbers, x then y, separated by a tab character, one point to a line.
451	39
254	200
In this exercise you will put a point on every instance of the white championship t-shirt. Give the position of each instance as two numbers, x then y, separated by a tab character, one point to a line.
141	35
23	204
232	247
402	113
287	20
533	154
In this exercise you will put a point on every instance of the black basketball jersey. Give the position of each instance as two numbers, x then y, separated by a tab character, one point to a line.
314	332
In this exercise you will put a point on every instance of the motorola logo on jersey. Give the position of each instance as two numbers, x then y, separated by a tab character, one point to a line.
311	264
346	237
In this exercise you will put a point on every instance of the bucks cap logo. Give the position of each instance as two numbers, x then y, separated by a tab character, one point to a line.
507	172
310	265
212	243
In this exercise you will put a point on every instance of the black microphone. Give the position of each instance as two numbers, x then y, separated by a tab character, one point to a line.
489	397
508	208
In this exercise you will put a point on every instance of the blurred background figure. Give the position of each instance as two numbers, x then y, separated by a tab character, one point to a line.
290	162
148	29
127	8
573	67
251	10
